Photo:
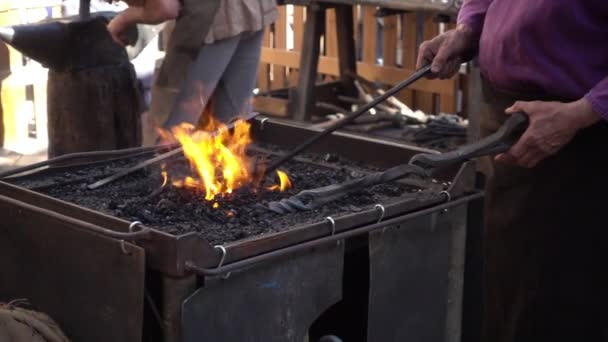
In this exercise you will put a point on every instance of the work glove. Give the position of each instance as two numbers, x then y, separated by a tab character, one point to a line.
448	51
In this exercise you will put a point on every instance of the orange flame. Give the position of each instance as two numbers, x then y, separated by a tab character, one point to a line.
216	155
165	178
284	182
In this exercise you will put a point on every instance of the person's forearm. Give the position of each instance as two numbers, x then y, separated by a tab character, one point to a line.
598	98
473	14
152	13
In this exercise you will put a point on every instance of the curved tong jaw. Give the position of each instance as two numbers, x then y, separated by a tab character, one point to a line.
314	198
498	142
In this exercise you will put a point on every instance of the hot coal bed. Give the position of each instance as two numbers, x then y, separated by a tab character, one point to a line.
231	269
242	214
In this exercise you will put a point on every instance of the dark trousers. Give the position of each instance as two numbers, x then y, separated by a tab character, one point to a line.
546	239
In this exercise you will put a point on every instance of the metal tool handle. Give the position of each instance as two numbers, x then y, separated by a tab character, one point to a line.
347	120
498	142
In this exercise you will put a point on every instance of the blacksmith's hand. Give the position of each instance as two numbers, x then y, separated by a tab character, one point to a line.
552	125
448	51
118	28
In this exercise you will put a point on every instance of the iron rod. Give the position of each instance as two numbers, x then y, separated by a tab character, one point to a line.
70	156
347	120
324	240
158	158
142	234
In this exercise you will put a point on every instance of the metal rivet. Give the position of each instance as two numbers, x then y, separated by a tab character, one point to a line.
133	225
223	258
262	123
123	247
333	224
382	211
447	195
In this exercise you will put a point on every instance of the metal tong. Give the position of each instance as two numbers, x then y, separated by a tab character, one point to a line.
419	74
421	165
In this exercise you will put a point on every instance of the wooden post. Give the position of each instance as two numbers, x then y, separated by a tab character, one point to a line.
263	70
280	43
302	102
347	54
85	9
408	54
298	38
426	101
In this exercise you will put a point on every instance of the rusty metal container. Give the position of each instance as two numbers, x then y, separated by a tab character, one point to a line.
396	268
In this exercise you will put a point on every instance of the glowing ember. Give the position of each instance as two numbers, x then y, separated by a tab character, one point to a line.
284	182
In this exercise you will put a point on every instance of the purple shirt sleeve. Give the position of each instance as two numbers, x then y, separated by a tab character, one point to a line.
473	13
598	96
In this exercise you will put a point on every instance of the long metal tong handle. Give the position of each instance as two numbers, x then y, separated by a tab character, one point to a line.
498	142
347	120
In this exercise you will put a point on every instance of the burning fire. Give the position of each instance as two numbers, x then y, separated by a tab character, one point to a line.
218	158
284	182
165	178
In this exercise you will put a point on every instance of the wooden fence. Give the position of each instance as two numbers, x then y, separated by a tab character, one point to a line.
386	54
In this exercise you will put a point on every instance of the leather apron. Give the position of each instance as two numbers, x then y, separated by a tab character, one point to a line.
545	238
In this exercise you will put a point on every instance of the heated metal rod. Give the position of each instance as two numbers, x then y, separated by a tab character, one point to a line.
325	240
339	124
156	159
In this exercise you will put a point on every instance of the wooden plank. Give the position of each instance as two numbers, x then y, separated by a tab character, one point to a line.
373	72
389	41
271	106
302	101
280	42
347	54
298	36
426	101
331	34
389	44
408	52
330	38
264	68
369	34
357	34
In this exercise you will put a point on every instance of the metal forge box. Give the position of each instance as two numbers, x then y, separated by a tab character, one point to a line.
386	264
